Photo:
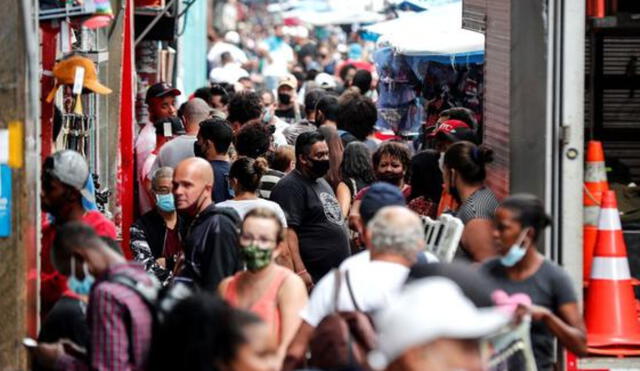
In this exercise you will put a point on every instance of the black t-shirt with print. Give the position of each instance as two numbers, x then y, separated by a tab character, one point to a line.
313	212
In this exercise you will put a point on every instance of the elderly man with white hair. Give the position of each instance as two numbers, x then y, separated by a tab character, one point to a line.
155	240
396	234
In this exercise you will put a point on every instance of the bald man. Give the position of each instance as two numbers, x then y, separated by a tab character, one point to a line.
211	242
195	111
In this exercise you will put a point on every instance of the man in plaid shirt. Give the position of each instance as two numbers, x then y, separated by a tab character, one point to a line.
120	322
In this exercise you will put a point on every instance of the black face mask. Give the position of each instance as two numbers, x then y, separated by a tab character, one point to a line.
319	167
284	98
197	151
391	177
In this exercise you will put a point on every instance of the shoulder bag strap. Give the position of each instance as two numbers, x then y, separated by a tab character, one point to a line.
336	288
353	298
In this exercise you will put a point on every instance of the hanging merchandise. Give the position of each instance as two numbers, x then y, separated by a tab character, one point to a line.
415	89
65	74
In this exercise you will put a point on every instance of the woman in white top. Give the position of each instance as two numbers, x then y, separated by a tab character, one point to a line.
244	178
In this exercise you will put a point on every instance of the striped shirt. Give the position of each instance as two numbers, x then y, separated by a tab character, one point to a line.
268	182
482	204
115	315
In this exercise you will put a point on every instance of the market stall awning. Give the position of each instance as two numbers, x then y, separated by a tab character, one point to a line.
436	32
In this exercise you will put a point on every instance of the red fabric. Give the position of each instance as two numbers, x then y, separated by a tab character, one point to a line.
52	282
360	65
447	203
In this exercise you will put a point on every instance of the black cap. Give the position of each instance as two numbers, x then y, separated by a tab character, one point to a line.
176	126
161	89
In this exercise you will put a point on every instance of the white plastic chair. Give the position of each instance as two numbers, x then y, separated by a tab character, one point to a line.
443	236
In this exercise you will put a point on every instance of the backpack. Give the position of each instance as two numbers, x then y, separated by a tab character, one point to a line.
342	339
160	300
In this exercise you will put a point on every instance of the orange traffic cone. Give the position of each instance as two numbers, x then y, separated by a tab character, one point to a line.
595	182
610	315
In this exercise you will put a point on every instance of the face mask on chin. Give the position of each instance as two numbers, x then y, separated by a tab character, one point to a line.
193	209
80	287
516	252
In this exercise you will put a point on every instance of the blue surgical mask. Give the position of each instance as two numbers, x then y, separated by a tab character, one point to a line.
266	116
516	252
80	287
165	202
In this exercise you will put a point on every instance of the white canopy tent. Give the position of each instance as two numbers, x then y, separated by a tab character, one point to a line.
437	31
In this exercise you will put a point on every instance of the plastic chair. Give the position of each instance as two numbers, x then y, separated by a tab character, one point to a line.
443	236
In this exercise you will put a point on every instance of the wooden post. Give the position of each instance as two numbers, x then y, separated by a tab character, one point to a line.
18	252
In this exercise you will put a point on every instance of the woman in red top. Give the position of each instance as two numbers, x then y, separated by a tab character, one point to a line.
274	293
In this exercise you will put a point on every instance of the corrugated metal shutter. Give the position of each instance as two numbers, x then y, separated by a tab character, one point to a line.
615	110
474	15
497	94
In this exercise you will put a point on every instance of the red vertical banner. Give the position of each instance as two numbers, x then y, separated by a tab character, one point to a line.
126	171
49	33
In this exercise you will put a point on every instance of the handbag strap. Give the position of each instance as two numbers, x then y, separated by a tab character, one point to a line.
353	298
336	288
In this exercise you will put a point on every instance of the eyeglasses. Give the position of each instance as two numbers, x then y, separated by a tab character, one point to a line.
247	239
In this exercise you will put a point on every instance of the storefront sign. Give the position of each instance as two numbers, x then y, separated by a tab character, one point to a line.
4	146
5	200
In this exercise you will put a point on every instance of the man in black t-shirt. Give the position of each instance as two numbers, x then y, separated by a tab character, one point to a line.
317	236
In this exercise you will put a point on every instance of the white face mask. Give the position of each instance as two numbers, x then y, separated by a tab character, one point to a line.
441	162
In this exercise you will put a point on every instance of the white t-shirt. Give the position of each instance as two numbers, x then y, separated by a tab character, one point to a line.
220	47
230	73
174	151
244	206
278	136
374	284
364	257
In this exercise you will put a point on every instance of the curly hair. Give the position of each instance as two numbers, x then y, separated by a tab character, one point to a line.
244	106
356	163
357	115
395	150
252	140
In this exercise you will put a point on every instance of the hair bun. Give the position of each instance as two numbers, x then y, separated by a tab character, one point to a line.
260	166
485	154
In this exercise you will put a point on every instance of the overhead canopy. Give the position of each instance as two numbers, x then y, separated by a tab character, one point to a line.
334	17
436	32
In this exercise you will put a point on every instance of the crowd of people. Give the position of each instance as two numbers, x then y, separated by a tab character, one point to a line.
278	229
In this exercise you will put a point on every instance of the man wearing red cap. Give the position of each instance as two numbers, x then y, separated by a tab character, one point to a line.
161	99
447	133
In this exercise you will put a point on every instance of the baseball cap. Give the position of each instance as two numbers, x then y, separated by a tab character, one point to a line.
65	73
426	310
453	130
377	196
290	81
173	124
161	89
325	81
70	168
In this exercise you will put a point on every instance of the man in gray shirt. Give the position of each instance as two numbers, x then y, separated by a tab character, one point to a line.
196	110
